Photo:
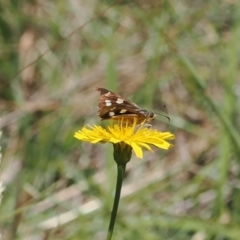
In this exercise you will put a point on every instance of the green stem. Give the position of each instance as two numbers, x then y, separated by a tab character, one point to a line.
120	175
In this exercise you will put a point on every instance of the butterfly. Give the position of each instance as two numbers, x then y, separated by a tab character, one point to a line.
113	106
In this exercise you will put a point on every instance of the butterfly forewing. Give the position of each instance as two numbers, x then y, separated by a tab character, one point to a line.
113	106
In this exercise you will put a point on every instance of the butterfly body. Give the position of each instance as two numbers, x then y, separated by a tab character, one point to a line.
113	106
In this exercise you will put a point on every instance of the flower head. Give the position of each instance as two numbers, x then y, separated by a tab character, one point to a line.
129	133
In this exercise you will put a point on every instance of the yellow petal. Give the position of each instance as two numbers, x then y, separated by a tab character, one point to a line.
137	150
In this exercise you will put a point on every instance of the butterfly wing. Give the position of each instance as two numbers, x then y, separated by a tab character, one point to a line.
113	106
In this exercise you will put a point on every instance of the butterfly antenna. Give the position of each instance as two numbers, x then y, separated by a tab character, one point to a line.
163	116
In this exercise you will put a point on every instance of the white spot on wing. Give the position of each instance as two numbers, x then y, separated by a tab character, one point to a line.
119	101
107	94
123	111
111	114
108	102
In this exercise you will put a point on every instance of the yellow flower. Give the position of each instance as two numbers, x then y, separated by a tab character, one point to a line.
129	133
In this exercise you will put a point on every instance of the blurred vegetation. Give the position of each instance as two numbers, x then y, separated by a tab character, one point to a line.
182	54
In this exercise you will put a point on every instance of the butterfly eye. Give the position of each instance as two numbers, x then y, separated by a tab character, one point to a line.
152	115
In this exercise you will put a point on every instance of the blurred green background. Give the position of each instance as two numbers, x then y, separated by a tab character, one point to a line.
182	54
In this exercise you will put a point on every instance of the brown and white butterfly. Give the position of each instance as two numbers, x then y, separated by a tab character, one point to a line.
113	106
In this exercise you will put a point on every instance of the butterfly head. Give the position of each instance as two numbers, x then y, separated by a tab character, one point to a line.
149	116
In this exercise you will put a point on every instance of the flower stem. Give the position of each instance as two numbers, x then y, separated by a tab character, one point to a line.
120	176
